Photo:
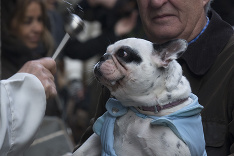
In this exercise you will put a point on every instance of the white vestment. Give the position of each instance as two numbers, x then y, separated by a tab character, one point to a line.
22	108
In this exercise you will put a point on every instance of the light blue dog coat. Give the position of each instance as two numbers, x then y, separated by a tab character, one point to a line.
185	123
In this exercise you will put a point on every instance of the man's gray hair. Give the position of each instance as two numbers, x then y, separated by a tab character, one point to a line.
208	7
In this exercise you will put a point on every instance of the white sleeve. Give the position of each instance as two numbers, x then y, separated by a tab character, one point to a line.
22	108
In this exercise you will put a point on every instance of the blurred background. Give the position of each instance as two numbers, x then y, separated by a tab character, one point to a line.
106	21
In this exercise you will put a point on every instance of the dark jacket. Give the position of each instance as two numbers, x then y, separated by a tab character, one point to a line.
14	55
208	64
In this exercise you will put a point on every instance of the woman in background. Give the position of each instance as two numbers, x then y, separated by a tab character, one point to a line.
25	35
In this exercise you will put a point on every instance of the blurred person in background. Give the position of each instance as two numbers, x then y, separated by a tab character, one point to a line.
24	34
117	18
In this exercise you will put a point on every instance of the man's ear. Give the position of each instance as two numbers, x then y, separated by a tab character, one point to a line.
168	51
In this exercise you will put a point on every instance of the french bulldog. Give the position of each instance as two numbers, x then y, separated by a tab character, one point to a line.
153	111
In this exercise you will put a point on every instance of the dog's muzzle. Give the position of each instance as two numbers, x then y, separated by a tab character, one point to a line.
97	71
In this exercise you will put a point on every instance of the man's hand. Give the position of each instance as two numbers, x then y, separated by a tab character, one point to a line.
43	69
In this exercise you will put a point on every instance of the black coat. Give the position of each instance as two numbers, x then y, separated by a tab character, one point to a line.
14	54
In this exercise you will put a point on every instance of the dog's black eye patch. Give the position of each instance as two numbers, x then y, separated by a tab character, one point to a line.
128	55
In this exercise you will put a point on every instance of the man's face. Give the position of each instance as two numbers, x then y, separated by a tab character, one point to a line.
167	19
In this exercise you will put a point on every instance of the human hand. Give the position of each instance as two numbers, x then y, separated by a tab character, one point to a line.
126	24
106	3
43	69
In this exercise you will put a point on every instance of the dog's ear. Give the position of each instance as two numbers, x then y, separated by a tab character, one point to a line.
169	51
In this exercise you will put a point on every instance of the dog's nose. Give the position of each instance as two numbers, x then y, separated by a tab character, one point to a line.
105	57
97	71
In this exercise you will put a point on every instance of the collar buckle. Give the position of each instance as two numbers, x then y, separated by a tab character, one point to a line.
156	109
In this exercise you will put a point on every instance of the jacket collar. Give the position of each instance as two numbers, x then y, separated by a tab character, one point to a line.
201	54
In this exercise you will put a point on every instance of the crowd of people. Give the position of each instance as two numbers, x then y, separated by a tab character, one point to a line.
32	29
33	85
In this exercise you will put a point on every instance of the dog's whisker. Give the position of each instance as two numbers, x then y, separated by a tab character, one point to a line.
90	80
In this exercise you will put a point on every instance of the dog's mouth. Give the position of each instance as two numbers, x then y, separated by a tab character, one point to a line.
107	75
105	81
109	72
117	82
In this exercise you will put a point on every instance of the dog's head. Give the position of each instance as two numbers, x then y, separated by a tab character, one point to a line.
138	72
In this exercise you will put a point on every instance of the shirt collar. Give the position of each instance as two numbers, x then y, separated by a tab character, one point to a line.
207	23
201	54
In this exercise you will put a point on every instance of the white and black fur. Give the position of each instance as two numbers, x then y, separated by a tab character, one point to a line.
140	73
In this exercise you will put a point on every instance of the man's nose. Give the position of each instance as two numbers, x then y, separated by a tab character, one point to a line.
157	3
